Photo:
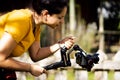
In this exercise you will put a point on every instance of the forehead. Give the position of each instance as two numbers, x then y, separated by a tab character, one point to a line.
63	13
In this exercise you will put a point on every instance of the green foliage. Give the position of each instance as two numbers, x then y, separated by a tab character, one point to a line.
71	75
51	77
111	75
90	76
119	26
88	38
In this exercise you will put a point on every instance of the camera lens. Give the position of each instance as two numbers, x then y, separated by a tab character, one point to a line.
90	62
95	58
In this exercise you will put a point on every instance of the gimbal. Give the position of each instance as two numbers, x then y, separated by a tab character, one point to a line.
82	58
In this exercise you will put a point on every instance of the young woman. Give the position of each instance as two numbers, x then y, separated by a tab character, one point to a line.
20	32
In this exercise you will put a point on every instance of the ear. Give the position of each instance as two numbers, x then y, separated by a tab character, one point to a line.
44	12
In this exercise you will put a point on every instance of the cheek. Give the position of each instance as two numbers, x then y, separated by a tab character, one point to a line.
53	21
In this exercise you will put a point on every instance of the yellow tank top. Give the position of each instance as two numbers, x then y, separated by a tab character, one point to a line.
18	23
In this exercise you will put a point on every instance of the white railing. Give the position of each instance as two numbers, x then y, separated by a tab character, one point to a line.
100	70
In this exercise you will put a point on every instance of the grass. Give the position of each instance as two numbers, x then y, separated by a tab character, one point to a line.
71	75
111	75
90	75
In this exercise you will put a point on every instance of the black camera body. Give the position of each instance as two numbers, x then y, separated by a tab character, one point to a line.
85	60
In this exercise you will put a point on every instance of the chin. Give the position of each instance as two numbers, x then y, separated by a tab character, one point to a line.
53	27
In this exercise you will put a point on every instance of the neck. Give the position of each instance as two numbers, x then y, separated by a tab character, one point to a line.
37	18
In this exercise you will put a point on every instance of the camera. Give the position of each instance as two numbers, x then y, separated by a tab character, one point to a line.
85	60
82	58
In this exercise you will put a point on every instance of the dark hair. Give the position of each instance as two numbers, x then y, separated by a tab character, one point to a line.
53	6
8	5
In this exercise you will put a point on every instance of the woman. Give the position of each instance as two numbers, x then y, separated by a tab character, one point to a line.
20	32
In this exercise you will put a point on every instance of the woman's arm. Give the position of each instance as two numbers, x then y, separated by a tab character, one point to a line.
37	53
7	44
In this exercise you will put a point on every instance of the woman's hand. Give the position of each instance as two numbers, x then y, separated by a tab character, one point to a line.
67	42
37	70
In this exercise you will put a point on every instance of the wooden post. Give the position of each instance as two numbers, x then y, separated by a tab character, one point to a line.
81	75
41	77
101	30
61	75
117	58
101	75
72	16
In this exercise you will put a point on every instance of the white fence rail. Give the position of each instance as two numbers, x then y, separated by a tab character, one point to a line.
100	70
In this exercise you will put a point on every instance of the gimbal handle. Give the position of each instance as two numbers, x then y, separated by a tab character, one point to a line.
63	63
54	65
84	60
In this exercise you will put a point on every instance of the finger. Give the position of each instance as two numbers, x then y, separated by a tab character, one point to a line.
68	44
45	71
73	38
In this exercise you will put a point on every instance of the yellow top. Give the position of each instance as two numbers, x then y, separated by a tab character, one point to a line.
19	24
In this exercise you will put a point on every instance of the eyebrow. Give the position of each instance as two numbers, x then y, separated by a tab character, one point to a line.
62	16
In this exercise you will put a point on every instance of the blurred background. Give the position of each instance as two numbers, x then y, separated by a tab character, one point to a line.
84	20
96	25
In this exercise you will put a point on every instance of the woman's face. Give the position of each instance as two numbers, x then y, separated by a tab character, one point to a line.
56	20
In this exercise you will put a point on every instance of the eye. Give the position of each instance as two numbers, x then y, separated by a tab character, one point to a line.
59	17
